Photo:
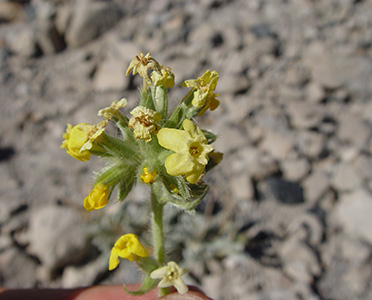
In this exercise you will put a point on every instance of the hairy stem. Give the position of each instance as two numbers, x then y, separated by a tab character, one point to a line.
157	233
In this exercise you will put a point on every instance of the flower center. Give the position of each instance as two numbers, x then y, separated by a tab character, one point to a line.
195	150
172	274
144	120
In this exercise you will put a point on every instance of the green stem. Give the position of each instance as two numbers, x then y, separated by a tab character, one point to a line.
157	233
157	228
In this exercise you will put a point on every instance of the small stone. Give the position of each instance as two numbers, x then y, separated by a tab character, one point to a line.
345	178
56	236
19	271
91	19
11	12
5	242
354	250
48	38
22	40
297	75
295	169
315	186
242	187
349	125
283	191
277	144
362	166
311	144
335	71
353	214
315	92
299	261
82	276
110	76
305	114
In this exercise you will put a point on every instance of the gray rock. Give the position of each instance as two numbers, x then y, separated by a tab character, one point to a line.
311	144
56	236
353	214
48	38
91	19
279	145
19	271
5	242
345	178
305	114
22	40
295	169
11	12
283	191
333	71
297	75
73	277
349	125
300	261
110	76
362	166
315	92
242	187
315	186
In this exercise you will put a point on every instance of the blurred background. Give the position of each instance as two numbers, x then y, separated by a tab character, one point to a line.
289	212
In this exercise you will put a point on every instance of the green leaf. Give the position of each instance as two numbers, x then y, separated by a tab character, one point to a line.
210	136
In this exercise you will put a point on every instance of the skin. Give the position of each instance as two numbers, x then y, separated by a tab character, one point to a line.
94	293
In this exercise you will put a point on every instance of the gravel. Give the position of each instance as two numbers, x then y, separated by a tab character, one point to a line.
287	216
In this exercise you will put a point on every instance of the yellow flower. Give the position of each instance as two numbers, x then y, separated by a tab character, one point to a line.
204	86
191	149
113	109
94	134
143	121
166	78
127	246
171	275
97	198
141	63
74	139
146	177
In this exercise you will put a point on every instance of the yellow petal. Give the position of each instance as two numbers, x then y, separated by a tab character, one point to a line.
173	139
194	176
178	164
114	259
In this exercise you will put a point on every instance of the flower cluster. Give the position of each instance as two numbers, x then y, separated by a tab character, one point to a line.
165	150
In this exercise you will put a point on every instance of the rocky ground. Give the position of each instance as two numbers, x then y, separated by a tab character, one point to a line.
289	212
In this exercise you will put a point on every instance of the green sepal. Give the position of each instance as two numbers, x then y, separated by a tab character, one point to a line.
117	171
210	136
125	132
188	196
198	193
177	117
119	148
146	99
125	186
147	264
160	98
147	285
